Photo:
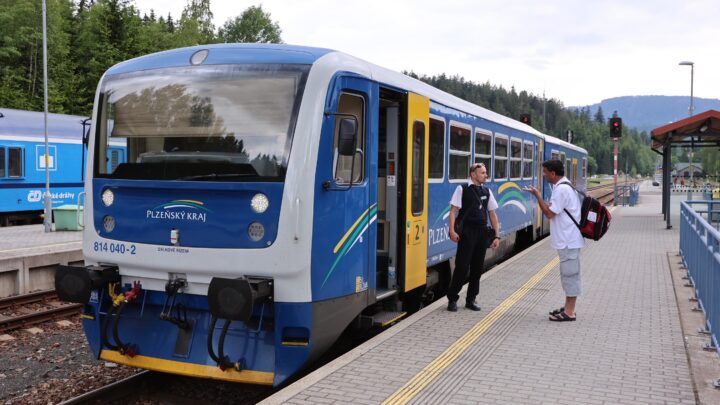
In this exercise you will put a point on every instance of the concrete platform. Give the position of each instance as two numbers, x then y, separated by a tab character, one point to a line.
28	257
626	347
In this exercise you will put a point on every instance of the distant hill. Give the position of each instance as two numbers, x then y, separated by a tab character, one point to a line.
646	113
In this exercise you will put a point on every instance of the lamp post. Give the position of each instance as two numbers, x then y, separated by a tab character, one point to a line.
47	199
692	72
692	171
690	113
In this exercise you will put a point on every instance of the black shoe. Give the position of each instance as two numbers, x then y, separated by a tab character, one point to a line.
452	306
473	306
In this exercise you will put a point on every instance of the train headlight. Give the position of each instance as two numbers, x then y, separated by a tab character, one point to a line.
256	231
108	197
259	203
108	223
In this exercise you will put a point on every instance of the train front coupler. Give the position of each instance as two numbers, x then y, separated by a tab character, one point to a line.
75	284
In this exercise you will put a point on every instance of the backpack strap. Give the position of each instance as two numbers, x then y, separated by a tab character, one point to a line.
573	187
571	218
565	209
484	191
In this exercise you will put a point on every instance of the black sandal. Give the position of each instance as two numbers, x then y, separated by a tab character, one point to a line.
557	311
562	317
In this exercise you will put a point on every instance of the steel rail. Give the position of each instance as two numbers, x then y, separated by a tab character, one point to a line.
114	391
24	299
16	322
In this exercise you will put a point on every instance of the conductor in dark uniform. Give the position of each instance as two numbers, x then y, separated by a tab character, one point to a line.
472	205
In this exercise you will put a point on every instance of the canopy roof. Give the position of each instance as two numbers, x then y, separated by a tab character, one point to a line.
696	131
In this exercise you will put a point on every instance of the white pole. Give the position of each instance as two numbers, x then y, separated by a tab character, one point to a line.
47	221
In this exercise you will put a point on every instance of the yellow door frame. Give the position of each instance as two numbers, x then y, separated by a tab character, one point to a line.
416	234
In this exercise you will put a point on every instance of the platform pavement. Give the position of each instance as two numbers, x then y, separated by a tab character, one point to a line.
19	241
29	257
626	347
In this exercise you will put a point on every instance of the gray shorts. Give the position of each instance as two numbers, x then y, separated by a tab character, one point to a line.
570	271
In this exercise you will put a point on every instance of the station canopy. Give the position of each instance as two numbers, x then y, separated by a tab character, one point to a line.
700	130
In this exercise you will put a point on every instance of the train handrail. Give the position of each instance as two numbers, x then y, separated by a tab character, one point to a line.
700	252
78	216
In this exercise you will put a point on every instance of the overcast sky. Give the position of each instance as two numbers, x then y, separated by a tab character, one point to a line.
579	52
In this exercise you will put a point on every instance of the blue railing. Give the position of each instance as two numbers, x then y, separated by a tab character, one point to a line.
700	251
628	194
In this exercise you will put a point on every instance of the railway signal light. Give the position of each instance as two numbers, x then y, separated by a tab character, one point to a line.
615	127
525	118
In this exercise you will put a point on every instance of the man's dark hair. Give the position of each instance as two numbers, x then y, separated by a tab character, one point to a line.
554	166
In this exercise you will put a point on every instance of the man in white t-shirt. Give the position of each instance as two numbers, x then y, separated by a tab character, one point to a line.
565	237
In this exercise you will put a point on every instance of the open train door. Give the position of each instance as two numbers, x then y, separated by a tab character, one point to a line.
415	205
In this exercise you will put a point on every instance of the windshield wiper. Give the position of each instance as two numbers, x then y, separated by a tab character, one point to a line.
213	176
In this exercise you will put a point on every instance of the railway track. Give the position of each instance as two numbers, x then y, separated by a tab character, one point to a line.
605	193
150	387
30	309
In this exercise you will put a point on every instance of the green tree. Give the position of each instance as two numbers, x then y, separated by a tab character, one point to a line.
21	54
599	116
592	165
254	25
195	26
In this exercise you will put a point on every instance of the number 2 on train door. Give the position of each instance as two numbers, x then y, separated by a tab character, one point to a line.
416	191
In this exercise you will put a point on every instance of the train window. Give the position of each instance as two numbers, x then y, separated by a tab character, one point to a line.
584	168
352	104
418	169
562	160
483	149
555	155
15	162
225	123
459	153
114	159
2	162
436	151
515	158
501	157
527	160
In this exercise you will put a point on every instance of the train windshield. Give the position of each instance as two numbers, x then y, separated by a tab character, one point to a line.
201	123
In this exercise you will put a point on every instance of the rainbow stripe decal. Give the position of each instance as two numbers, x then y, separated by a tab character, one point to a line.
191	204
351	237
443	215
511	194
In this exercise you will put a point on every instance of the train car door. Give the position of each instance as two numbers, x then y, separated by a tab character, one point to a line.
416	191
348	211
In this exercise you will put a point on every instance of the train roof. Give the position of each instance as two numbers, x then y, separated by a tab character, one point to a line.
20	123
403	81
292	54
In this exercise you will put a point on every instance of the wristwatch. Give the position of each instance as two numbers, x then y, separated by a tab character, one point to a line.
497	237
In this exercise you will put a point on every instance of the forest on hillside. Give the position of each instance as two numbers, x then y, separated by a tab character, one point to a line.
86	37
551	117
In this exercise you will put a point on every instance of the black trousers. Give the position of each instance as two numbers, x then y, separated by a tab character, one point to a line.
469	260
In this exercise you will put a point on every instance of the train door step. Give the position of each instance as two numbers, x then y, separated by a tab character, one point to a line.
382	293
383	318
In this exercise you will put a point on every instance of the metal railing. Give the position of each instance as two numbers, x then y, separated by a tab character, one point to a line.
700	251
627	194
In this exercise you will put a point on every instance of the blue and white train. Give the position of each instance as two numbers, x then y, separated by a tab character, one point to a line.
273	196
22	162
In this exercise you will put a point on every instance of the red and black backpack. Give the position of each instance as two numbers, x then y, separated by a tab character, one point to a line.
594	216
